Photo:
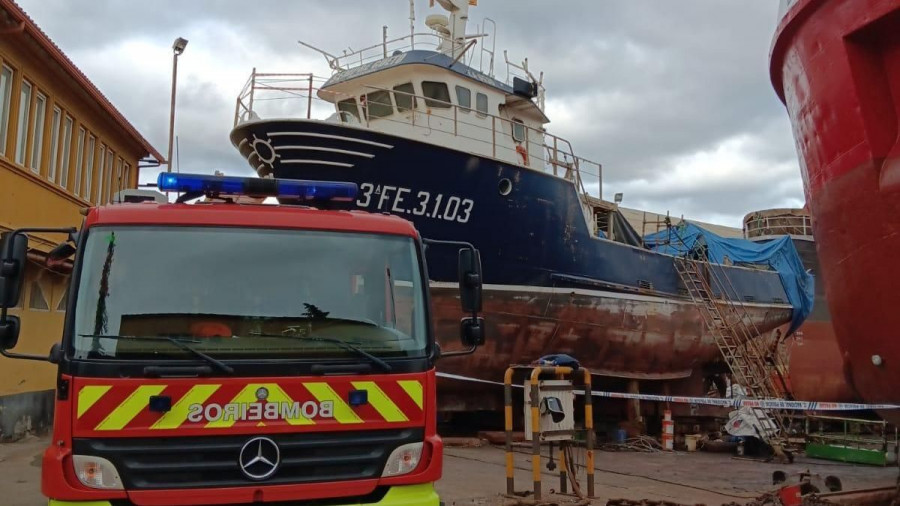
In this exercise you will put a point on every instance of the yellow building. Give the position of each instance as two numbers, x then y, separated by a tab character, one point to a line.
63	147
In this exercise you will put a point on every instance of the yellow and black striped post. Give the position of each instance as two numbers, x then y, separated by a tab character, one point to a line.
508	427
536	432
563	475
589	432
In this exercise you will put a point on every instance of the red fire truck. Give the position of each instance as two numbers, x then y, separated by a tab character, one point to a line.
226	353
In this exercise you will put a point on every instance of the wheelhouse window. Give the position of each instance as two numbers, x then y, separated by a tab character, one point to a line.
481	103
379	104
437	95
405	97
518	130
54	143
37	132
22	128
79	160
65	150
285	289
6	78
464	97
346	107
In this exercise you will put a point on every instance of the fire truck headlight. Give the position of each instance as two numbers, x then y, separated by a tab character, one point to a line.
96	472
403	460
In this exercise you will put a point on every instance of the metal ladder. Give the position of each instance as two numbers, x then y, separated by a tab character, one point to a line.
737	338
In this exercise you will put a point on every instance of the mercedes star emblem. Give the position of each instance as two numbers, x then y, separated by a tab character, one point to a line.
259	458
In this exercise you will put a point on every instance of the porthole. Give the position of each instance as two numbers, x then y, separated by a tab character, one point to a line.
504	187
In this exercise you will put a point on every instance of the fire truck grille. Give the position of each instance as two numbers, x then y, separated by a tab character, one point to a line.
213	461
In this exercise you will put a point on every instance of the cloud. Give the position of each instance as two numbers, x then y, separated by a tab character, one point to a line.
673	98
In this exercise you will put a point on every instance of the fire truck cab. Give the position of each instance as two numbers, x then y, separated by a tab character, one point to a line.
228	353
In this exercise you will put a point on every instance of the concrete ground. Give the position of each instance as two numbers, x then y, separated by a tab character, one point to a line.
476	475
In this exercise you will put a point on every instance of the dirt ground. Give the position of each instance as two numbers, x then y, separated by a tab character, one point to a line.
476	475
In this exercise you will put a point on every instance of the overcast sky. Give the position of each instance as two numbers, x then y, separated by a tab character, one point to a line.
672	97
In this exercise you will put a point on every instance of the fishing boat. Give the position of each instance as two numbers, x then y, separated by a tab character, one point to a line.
428	131
836	66
815	363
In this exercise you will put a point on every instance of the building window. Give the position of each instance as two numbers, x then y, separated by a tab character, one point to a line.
518	130
437	95
464	97
108	180
379	104
89	168
118	180
37	300
22	128
54	143
79	161
101	167
6	77
37	132
405	97
64	299
481	104
65	151
126	177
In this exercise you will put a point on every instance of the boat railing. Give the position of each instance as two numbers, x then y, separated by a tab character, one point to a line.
389	47
794	225
491	135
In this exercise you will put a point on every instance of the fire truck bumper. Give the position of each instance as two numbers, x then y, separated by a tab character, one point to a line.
406	495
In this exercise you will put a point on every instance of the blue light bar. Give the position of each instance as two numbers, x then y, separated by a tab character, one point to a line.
256	187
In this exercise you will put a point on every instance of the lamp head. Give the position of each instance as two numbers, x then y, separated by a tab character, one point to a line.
179	45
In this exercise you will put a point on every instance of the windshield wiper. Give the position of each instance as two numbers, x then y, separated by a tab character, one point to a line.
343	344
222	366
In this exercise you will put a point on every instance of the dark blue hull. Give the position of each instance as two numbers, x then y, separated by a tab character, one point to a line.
532	234
549	286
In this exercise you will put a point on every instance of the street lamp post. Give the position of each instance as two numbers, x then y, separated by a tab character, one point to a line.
177	49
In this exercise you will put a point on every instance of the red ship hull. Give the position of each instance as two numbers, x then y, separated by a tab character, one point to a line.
836	65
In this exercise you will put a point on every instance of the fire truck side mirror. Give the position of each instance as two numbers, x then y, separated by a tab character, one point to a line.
469	268
471	332
13	256
9	332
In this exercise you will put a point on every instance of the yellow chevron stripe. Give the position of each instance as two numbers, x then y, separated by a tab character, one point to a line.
342	412
179	412
248	395
130	407
89	395
413	389
381	402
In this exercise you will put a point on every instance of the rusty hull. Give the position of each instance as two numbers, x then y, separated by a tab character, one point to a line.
615	335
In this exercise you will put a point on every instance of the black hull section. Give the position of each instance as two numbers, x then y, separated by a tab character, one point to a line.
528	224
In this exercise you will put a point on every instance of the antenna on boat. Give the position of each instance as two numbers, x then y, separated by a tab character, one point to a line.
412	24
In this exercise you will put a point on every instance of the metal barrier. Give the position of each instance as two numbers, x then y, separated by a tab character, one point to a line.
535	415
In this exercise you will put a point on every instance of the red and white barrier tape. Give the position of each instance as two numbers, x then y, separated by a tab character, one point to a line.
711	401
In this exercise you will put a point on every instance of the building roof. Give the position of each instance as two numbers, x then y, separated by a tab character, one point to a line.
652	222
33	30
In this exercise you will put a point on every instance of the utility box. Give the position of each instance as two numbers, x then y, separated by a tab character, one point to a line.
556	400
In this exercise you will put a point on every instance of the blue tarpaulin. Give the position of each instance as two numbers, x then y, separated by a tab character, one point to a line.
779	254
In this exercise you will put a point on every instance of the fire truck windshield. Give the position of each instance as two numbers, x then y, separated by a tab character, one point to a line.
244	293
